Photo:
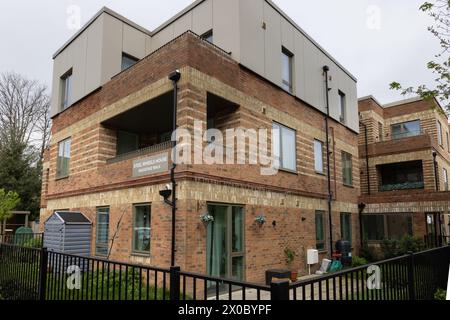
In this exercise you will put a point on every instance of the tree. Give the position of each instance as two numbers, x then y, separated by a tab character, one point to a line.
8	201
440	12
24	112
24	136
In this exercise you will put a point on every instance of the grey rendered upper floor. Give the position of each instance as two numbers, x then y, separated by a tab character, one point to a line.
256	33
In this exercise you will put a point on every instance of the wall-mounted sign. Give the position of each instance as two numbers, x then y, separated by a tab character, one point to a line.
151	165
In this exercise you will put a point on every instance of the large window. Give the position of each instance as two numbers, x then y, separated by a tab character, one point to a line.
102	232
347	168
284	147
318	156
63	161
320	230
342	107
128	61
439	127
225	250
287	66
378	227
66	90
401	176
405	129
141	229
346	226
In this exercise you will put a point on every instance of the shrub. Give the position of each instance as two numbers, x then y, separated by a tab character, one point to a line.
358	261
367	253
440	294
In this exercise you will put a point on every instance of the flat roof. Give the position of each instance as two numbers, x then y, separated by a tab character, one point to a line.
181	14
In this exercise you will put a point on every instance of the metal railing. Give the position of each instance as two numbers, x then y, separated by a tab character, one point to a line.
410	277
37	274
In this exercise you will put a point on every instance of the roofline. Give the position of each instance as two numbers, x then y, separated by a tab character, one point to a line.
91	21
185	11
370	97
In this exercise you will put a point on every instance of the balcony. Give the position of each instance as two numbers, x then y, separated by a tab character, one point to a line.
396	146
401	176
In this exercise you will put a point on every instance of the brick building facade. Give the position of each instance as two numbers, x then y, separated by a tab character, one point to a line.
407	147
101	139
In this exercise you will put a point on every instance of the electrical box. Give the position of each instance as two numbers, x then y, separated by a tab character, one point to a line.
312	256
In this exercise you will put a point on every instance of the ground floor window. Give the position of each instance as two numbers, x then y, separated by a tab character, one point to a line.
346	226
320	230
102	232
378	227
141	228
225	242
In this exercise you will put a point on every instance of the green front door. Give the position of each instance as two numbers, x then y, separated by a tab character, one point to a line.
225	242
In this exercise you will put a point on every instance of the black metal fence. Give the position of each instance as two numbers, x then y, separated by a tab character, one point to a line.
37	274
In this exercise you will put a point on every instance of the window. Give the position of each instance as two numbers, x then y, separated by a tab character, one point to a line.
320	230
380	131
208	36
283	140
128	61
127	142
378	227
286	62
346	226
141	229
342	107
318	156
448	142
405	129
347	168
63	162
102	232
439	126
66	90
445	180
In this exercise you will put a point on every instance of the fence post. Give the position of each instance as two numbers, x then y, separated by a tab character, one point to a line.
279	290
175	283
43	273
411	282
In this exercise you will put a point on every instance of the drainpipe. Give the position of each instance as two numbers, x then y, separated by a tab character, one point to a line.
366	137
436	173
174	77
326	69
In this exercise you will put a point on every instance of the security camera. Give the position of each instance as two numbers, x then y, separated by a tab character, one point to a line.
175	76
168	186
165	194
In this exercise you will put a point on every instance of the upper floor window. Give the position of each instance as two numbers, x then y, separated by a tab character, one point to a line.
439	127
63	161
66	90
208	36
405	129
445	179
127	142
342	107
318	156
128	61
347	168
448	142
284	147
380	131
287	74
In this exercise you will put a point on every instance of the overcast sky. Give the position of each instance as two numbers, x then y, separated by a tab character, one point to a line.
378	41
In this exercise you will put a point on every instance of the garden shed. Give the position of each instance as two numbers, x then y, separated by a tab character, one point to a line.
69	233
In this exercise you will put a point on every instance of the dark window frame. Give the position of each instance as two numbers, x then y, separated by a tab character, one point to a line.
130	58
287	85
59	163
133	242
66	89
99	246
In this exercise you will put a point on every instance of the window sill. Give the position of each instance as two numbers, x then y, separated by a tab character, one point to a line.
140	254
288	171
62	178
320	173
348	186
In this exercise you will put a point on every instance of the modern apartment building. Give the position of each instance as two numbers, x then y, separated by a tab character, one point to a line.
404	152
242	64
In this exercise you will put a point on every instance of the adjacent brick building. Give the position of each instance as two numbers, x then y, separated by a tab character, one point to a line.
404	152
121	119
